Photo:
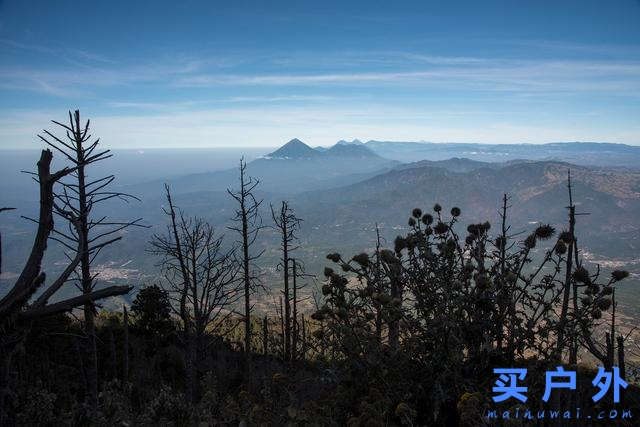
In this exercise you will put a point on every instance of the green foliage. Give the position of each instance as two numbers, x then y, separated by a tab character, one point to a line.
152	311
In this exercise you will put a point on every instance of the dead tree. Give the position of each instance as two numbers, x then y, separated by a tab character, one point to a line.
281	316
303	350
202	280
86	235
298	272
287	224
562	323
248	225
577	327
125	356
294	326
15	310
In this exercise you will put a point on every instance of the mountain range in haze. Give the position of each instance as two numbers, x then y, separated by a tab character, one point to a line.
205	167
297	167
296	149
343	191
291	168
583	153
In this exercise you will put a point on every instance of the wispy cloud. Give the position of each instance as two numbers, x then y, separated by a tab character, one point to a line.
66	54
154	106
284	98
564	47
91	56
316	126
504	76
359	69
27	46
68	82
219	100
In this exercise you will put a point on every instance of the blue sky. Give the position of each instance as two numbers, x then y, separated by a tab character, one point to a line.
250	73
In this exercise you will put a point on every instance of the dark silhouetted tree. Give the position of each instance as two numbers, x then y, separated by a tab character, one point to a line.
152	313
152	309
287	224
16	312
202	280
248	225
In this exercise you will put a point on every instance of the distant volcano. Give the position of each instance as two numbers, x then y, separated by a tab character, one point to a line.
296	149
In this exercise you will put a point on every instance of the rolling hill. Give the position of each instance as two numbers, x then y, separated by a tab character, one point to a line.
582	153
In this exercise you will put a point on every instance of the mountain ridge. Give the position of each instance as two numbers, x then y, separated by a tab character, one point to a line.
292	168
295	149
582	153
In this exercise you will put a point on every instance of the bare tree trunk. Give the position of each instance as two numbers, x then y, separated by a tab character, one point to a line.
562	323
287	224
573	350
247	290
621	365
303	353
294	326
125	368
609	352
203	277
611	336
12	305
31	276
512	304
75	204
86	279
287	303
378	284
282	331
248	216
621	362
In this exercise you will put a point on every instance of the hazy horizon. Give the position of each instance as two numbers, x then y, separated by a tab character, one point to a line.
39	146
252	74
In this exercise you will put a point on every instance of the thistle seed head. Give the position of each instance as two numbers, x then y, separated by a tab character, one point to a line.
618	275
544	232
441	228
427	219
335	257
362	259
